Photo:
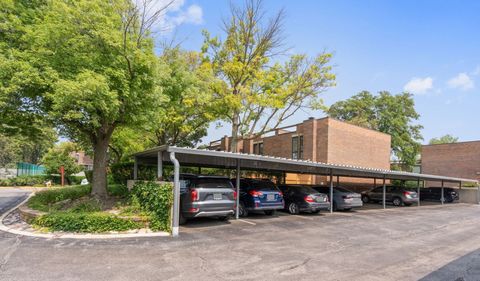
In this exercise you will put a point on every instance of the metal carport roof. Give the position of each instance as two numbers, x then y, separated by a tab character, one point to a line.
221	159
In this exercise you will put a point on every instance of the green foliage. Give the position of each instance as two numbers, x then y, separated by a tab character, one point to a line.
118	190
443	139
121	172
45	200
391	114
85	222
155	199
258	94
24	181
89	206
89	175
60	155
19	148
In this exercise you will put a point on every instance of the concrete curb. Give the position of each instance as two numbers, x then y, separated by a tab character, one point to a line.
71	235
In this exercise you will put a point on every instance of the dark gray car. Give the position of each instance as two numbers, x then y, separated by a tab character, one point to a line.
206	196
343	199
396	194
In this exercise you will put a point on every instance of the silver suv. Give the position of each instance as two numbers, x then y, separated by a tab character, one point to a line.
206	196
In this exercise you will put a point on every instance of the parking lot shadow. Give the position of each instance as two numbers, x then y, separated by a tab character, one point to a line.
465	268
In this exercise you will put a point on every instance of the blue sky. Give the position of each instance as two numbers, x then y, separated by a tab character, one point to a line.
430	48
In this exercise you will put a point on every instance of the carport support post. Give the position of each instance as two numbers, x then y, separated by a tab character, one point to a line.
176	194
418	192
160	165
135	168
331	191
384	191
441	197
237	184
478	193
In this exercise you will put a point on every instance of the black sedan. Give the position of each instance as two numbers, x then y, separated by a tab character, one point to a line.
300	198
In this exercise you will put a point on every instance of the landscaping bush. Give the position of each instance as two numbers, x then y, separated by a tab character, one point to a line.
157	200
44	200
118	190
85	222
121	172
24	180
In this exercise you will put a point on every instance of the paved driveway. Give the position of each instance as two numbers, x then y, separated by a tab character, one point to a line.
10	197
393	244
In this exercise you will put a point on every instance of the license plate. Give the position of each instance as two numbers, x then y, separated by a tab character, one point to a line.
217	196
270	197
319	199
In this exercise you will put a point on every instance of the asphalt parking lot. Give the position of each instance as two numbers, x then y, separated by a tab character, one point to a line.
431	242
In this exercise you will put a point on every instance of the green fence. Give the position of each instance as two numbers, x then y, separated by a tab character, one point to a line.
27	169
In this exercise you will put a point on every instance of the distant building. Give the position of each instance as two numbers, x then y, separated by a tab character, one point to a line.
461	159
83	160
324	140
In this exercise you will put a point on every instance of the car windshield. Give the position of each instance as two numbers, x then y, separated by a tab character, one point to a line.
304	189
341	189
264	185
213	183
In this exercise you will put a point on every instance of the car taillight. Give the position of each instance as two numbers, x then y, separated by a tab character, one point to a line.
280	193
234	195
407	193
194	195
255	193
309	199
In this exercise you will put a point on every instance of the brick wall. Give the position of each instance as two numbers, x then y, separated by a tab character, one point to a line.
455	160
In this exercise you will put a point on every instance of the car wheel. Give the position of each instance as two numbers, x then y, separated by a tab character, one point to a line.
293	209
347	209
365	199
270	212
182	219
242	212
316	212
397	201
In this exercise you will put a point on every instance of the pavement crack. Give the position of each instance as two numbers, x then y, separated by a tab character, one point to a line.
10	252
295	266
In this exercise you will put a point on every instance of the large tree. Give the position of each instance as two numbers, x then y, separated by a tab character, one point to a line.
443	139
387	113
259	92
95	65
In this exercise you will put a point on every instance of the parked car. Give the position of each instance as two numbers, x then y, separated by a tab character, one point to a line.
343	199
206	196
259	195
397	195
299	198
435	194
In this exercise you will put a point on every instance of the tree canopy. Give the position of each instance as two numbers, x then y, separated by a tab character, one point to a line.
60	155
387	113
258	91
443	139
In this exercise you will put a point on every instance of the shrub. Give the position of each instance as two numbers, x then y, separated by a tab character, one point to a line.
157	200
123	171
44	200
89	206
24	180
118	190
85	222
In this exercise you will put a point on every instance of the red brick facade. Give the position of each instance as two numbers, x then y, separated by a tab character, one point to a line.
324	140
454	159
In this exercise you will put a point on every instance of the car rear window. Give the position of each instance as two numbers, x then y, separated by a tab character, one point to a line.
264	185
212	183
341	189
305	189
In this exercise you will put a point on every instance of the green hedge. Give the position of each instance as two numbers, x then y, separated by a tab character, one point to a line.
155	199
44	200
40	180
85	222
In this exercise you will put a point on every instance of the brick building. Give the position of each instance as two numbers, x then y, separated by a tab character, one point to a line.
324	140
460	159
82	159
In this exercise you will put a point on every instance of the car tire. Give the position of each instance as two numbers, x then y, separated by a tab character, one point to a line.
316	212
365	199
181	219
347	209
242	212
397	201
225	219
270	212
293	209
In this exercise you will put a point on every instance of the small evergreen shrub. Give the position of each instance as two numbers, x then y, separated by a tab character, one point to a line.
156	199
85	222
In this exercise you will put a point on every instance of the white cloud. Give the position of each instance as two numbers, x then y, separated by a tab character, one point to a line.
419	85
172	14
461	81
476	71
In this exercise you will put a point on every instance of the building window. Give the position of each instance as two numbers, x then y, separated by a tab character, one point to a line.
297	147
258	148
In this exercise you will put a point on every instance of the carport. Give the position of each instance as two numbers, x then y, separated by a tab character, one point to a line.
238	161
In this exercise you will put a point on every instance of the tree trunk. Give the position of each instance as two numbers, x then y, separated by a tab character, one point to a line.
235	127
99	179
